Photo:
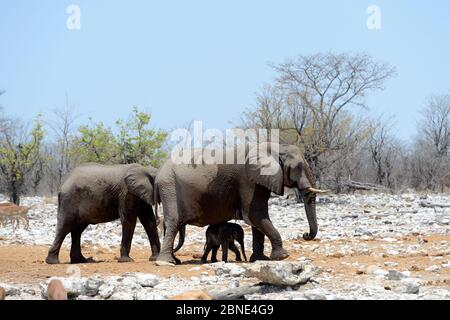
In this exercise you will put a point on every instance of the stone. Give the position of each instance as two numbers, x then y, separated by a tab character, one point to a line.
314	294
380	273
432	268
282	273
147	279
409	285
394	275
121	294
56	290
390	264
92	286
105	291
231	269
10	290
233	284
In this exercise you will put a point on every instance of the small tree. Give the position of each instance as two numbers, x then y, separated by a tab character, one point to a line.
137	142
96	143
20	151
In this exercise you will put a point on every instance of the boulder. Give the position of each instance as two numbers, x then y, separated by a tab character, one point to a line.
408	285
56	291
281	273
228	269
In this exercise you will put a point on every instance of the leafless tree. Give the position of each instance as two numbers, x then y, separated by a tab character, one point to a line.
431	165
63	127
310	100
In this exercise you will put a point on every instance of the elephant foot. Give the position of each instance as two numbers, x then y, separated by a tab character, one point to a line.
308	237
203	261
258	256
81	259
125	259
214	260
166	260
52	260
279	254
153	257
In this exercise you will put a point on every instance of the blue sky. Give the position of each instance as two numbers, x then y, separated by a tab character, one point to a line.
204	60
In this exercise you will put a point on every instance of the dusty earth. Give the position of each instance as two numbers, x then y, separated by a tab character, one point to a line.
362	239
25	264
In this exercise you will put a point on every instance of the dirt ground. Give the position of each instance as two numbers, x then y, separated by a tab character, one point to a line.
25	264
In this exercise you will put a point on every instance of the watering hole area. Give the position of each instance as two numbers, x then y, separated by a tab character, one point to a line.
369	246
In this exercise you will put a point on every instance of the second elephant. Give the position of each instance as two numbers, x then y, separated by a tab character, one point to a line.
95	193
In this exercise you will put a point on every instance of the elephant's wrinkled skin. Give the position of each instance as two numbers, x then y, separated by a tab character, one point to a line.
205	194
97	193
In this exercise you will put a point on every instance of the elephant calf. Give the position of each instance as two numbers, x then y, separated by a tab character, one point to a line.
224	235
97	193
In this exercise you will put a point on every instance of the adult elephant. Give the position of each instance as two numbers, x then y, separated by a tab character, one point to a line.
205	194
95	193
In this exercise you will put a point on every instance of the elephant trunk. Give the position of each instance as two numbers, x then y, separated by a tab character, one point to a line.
310	208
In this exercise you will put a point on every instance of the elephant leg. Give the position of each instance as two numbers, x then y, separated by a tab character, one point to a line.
75	250
171	226
149	223
267	228
214	254
258	246
61	232
128	225
225	251
233	248
207	251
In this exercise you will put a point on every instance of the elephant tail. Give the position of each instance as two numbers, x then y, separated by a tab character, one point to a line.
182	234
156	196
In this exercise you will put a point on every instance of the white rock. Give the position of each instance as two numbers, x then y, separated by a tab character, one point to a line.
394	275
314	294
433	268
380	273
147	279
10	290
409	285
92	286
232	269
105	291
283	273
390	264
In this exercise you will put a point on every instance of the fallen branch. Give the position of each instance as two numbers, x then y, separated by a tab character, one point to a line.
236	293
428	204
363	186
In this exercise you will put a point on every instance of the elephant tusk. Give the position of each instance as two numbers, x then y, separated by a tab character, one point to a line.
317	190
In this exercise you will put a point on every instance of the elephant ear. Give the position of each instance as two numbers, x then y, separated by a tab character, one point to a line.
263	168
140	181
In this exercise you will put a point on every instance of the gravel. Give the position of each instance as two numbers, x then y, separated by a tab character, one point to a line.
354	218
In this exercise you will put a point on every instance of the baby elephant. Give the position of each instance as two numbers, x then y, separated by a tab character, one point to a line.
224	235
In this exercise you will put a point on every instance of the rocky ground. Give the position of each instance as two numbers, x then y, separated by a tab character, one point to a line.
372	246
